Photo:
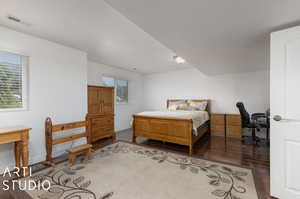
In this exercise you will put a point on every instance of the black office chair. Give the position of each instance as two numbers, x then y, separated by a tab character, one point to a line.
263	121
247	122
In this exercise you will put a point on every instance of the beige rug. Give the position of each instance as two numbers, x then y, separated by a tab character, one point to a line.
127	171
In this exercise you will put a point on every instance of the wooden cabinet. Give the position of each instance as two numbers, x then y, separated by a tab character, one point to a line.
217	124
233	126
101	112
226	125
100	100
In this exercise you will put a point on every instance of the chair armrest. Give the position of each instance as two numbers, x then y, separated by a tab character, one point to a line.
255	116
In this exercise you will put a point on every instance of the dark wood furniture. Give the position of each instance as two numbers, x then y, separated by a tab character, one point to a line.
217	124
50	129
174	130
101	112
20	136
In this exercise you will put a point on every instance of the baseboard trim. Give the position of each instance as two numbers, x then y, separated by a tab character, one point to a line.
123	130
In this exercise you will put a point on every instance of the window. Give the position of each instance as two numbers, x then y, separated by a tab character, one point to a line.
122	91
12	81
108	81
121	88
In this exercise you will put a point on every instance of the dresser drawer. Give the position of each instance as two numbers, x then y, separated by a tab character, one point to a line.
218	130
102	121
217	119
101	126
234	131
104	127
234	120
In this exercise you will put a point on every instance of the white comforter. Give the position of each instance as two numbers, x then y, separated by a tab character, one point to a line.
198	117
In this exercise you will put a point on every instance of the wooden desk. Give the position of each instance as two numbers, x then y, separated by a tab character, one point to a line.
20	136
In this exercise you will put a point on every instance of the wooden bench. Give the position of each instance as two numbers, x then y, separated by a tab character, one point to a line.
60	128
82	149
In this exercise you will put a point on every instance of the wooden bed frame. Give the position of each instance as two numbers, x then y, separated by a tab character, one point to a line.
174	130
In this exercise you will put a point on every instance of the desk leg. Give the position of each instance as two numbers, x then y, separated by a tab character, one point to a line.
25	153
17	154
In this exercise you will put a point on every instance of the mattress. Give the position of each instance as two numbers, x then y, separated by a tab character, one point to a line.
198	117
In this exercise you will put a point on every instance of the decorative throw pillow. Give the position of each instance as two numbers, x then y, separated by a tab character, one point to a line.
174	105
197	106
183	107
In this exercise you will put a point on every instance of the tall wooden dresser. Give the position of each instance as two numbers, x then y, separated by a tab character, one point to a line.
101	112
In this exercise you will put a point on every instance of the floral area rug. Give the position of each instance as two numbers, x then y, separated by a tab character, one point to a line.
128	171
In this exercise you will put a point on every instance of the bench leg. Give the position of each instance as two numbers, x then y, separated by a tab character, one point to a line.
191	150
88	153
133	139
113	138
72	158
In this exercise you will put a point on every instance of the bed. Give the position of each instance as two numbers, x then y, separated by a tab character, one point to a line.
179	127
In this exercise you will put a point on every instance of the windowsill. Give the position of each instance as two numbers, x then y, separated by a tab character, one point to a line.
122	103
13	110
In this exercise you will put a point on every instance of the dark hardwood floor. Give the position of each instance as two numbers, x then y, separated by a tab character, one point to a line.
229	151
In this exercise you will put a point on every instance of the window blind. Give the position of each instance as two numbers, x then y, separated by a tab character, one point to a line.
11	81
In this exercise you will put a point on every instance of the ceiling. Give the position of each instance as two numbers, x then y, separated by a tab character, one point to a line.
215	36
92	26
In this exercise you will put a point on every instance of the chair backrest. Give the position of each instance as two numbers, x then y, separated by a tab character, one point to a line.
268	116
244	114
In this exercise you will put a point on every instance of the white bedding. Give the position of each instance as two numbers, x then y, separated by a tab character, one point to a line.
198	117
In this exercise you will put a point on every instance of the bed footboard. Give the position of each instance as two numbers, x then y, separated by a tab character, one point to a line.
172	130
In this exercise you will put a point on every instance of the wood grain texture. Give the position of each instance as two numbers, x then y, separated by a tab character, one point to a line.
74	152
233	126
175	130
20	137
68	126
217	124
61	128
101	112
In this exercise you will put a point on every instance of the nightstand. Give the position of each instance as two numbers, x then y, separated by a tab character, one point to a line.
233	126
217	124
226	125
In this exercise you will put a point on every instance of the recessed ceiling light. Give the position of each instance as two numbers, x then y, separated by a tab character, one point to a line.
179	60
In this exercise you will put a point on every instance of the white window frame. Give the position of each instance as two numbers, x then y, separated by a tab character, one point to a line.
115	86
25	84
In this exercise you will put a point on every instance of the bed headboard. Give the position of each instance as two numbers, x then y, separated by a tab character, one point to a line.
195	100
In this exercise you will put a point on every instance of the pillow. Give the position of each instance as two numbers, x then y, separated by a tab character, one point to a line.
197	106
183	107
174	105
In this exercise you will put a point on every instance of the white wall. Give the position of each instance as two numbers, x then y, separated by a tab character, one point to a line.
123	112
224	90
58	78
57	88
